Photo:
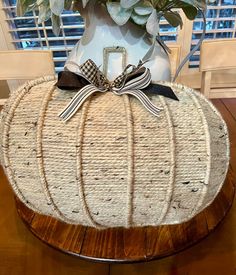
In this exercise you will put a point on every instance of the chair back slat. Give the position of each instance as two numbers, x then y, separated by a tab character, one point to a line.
218	55
174	57
22	64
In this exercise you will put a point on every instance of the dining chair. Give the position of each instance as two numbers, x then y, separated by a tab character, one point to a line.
25	65
217	55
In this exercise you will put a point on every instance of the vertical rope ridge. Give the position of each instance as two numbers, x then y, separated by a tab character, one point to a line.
40	159
5	145
192	94
170	188
9	112
79	171
208	152
214	109
130	159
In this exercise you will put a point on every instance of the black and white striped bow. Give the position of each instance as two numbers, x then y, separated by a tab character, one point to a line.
92	80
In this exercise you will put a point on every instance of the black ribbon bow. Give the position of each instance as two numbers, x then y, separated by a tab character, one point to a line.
137	82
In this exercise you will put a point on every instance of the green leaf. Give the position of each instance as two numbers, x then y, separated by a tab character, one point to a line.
23	6
173	18
153	23
56	24
143	8
190	12
57	6
118	14
44	12
196	3
126	4
139	19
68	4
159	4
40	2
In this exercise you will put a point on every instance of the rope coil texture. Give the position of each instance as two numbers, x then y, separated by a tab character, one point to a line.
113	164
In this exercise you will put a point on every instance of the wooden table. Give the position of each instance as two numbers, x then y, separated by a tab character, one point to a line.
128	245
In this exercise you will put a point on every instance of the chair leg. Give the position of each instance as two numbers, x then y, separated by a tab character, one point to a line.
206	84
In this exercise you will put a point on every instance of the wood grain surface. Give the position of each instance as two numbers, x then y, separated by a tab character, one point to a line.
22	253
120	245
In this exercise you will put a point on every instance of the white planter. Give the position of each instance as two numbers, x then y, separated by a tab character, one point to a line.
101	32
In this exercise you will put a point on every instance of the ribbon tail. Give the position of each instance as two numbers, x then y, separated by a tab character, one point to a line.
162	90
71	81
76	102
146	102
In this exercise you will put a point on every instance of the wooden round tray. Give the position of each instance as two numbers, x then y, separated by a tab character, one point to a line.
128	245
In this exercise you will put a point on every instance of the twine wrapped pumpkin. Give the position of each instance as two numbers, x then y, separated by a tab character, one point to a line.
113	164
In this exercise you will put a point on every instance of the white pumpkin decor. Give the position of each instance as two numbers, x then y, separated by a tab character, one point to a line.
114	163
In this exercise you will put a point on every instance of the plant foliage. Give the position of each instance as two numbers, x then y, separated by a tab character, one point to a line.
141	12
